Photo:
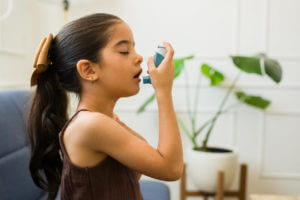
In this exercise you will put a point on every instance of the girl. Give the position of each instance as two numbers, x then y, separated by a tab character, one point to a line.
102	158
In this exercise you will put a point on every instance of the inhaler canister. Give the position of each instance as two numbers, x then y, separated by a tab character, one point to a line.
159	56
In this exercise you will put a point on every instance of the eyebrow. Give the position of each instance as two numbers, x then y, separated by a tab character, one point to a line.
123	42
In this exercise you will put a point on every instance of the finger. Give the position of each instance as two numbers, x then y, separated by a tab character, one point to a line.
150	63
170	51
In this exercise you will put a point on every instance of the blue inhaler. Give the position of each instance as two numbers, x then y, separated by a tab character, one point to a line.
159	56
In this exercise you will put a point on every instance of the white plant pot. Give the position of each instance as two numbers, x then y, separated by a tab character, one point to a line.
202	167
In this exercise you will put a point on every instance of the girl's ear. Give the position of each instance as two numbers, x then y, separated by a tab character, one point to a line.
87	70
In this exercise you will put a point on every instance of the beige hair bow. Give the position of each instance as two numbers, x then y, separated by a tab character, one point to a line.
41	61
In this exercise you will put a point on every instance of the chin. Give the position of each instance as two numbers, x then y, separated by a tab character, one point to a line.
131	92
136	91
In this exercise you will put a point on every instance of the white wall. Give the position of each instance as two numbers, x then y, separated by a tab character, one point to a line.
15	42
213	30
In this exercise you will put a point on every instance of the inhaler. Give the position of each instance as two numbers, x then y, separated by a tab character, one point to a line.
159	56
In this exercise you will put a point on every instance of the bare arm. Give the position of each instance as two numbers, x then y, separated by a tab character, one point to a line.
132	132
136	134
169	144
167	120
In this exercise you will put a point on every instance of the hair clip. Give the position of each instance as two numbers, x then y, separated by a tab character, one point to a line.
41	60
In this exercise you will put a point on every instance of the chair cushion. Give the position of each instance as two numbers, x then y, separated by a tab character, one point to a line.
154	190
15	181
12	121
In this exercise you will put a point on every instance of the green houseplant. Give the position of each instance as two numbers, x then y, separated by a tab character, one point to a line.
253	64
204	161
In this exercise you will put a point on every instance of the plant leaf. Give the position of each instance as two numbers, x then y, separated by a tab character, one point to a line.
252	65
179	64
272	68
251	100
214	75
247	64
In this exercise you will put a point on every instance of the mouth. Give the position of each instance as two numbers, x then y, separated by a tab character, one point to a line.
138	74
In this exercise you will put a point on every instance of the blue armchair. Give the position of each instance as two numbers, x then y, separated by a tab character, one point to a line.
15	179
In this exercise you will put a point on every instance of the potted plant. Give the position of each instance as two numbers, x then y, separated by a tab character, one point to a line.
204	161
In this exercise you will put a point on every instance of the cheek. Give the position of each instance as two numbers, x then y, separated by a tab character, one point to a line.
117	71
120	68
116	76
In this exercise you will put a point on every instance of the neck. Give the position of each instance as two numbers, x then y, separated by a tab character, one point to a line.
98	103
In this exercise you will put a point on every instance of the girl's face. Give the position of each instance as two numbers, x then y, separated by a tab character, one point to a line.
119	63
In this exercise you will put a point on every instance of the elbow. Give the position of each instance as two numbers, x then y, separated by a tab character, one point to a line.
177	173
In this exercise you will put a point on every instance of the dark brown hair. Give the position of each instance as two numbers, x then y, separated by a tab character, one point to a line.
79	39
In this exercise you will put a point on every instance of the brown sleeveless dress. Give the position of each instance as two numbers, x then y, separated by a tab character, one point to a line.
107	180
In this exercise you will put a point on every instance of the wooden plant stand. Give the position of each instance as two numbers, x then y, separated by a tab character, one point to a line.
220	193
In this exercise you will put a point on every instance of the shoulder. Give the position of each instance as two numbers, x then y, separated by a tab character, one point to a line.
91	121
95	126
85	124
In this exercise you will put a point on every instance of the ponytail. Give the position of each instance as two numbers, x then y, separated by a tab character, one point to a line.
47	116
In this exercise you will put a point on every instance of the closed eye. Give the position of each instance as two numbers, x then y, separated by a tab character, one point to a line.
125	53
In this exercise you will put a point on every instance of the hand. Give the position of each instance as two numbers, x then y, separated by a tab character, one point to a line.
162	76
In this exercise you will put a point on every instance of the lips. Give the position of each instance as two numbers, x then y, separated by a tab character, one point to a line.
138	74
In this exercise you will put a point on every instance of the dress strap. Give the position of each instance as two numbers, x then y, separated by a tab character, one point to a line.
66	124
60	134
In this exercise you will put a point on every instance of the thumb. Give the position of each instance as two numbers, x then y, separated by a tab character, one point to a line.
151	64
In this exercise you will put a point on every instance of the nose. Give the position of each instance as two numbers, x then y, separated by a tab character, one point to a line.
139	59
